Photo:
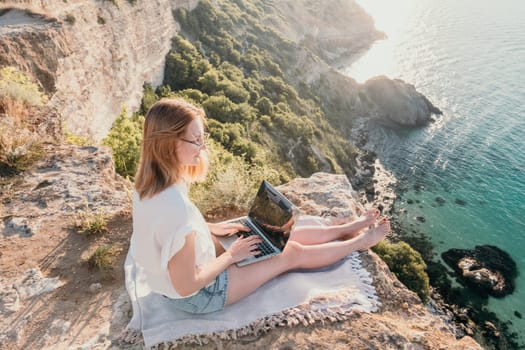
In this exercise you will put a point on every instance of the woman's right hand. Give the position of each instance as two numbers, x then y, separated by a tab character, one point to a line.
244	247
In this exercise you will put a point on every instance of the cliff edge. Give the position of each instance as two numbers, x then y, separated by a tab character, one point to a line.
66	221
53	297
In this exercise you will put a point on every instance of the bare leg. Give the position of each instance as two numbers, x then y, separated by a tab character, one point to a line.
321	234
245	280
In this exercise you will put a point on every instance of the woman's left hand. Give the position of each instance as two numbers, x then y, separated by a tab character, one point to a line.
227	228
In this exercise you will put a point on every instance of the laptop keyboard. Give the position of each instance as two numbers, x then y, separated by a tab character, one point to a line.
264	247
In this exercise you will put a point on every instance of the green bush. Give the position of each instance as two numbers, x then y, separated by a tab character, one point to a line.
149	97
209	81
184	65
265	106
220	108
278	90
231	72
237	63
407	264
245	149
192	95
266	121
125	139
225	133
231	182
103	258
234	92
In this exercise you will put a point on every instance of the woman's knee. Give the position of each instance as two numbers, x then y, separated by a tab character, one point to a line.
294	253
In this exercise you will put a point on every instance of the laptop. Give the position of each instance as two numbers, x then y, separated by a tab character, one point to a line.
272	217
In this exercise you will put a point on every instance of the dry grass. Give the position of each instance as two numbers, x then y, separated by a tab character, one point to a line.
16	86
104	258
89	222
19	145
72	139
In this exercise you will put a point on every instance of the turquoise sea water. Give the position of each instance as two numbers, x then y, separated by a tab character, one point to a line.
468	57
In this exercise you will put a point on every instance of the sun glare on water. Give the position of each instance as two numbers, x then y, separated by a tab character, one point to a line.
389	17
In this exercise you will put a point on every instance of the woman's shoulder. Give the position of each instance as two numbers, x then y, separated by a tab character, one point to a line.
175	195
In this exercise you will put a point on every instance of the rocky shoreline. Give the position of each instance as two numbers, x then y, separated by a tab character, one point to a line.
379	188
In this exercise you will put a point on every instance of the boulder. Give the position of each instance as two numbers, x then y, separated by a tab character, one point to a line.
486	269
398	102
323	194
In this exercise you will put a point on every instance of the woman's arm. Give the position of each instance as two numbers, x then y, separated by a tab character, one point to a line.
227	228
186	278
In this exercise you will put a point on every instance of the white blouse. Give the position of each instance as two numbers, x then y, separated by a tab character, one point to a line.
160	226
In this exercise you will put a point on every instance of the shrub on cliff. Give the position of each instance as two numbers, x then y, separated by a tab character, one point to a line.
231	182
16	86
20	145
149	97
407	265
124	138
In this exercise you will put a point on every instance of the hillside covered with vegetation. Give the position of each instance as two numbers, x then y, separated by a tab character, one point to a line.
227	62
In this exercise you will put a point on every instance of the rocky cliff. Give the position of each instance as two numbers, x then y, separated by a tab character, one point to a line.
42	290
334	31
92	57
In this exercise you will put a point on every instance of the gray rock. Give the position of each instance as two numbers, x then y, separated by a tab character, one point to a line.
95	288
324	194
9	301
399	102
33	283
77	185
19	226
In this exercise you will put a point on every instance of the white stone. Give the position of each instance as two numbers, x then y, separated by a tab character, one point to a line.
95	288
9	301
33	283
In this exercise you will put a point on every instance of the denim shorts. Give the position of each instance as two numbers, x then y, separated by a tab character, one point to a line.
209	299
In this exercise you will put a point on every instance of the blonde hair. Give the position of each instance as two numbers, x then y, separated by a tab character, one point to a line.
159	166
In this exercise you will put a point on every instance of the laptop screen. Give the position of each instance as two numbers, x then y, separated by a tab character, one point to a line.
273	213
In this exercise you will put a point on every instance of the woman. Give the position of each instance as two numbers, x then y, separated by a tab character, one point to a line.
176	249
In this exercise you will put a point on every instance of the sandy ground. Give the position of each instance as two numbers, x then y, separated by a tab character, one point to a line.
74	313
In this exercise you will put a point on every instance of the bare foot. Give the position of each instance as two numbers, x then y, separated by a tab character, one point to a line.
369	217
335	220
372	236
366	220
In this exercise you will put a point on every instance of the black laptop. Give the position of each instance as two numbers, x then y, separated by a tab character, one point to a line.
272	217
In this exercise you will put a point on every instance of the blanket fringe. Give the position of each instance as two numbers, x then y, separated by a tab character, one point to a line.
131	336
306	315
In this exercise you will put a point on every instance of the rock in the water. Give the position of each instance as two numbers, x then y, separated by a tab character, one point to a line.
399	102
460	201
487	269
441	201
